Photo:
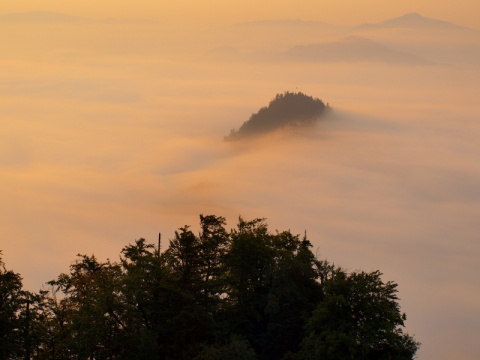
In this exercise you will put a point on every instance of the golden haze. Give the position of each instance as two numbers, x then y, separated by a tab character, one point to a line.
113	131
345	12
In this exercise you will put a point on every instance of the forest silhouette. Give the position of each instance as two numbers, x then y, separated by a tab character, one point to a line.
246	293
287	109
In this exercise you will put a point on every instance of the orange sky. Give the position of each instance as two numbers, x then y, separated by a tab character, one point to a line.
463	12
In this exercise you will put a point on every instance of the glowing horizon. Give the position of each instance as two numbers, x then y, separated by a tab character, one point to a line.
345	12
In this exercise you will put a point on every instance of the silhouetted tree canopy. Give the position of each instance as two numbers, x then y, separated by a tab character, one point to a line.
241	294
287	109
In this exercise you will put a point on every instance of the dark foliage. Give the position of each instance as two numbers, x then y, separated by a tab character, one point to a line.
287	109
241	294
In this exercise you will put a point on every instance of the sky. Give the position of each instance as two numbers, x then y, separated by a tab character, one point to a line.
342	12
112	131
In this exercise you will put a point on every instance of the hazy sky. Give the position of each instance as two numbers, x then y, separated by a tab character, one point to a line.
112	131
343	12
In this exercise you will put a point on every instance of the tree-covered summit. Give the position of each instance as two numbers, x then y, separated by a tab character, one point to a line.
287	109
242	294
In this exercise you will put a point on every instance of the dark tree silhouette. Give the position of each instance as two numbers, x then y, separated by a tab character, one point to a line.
359	318
241	294
12	300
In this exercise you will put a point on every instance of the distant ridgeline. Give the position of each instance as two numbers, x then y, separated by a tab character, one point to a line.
287	109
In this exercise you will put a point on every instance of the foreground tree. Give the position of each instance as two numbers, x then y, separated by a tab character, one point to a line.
89	314
23	326
272	287
359	318
12	301
242	294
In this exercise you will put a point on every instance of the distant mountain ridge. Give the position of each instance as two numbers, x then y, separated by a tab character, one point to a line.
351	49
286	23
385	42
412	19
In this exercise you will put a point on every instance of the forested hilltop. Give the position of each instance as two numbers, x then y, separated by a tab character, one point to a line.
287	109
246	294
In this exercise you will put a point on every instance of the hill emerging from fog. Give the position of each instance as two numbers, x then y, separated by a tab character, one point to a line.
287	109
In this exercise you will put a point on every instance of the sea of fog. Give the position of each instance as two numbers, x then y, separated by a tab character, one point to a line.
112	133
